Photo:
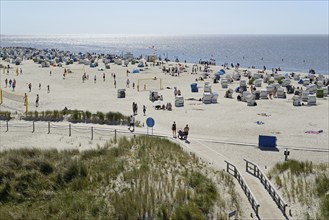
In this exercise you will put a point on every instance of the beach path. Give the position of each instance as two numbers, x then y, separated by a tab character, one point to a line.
268	209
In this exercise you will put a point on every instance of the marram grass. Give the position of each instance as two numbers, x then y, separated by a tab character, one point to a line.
130	179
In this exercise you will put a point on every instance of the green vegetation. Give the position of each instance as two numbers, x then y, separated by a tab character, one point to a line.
304	183
5	115
110	118
127	179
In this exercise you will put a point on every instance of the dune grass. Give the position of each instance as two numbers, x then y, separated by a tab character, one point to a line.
128	179
304	183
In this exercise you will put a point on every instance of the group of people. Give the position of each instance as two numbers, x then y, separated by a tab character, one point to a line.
12	83
181	134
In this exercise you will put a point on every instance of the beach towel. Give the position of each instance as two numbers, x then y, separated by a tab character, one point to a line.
314	132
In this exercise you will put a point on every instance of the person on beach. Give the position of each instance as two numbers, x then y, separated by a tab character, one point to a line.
95	79
144	110
186	131
21	71
115	84
173	129
39	86
30	87
10	82
103	77
48	88
127	83
50	73
6	82
14	84
37	101
132	123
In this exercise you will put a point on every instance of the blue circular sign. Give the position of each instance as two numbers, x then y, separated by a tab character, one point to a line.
150	122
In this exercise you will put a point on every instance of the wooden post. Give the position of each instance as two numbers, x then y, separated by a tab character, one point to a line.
70	130
92	133
48	127
33	127
115	135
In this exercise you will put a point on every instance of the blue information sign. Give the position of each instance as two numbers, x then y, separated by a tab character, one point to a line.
150	122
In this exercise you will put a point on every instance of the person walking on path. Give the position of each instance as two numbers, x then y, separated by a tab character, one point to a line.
132	123
37	101
186	131
173	128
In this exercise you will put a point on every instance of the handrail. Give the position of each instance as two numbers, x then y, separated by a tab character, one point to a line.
251	198
257	172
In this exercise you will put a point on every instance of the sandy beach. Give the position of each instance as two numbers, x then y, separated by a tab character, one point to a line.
226	130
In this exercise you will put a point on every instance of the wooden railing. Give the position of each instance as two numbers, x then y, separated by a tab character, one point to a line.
253	169
231	169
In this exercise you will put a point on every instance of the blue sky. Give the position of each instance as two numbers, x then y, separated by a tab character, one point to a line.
164	17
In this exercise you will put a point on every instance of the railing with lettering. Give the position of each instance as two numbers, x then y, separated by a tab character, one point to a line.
231	169
253	169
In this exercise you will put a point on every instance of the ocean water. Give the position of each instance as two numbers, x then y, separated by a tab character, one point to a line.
290	52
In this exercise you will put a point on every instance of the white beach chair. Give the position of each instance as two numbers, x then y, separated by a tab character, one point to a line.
311	99
207	87
243	83
281	93
224	83
311	88
258	82
206	98
296	100
179	101
214	97
319	83
286	82
263	94
297	77
305	95
306	82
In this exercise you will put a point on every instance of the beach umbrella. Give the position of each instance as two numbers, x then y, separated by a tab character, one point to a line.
136	71
221	72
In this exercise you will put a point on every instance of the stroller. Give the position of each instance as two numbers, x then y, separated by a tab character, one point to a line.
181	134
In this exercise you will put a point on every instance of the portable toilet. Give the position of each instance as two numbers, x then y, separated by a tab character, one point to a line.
179	101
194	87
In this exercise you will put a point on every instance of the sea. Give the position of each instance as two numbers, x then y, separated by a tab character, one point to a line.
298	53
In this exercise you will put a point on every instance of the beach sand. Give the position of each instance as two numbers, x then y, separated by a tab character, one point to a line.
226	130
